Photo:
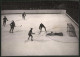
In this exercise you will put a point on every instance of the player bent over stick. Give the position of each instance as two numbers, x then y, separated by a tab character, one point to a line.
42	26
30	34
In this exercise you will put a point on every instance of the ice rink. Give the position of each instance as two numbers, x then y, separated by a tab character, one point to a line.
16	44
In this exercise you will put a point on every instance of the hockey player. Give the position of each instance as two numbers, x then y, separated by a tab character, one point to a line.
12	25
4	20
23	15
30	34
50	34
42	26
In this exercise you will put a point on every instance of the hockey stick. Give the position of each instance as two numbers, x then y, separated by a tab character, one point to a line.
17	20
19	26
33	33
9	20
14	20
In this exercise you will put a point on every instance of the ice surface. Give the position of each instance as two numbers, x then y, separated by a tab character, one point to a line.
16	44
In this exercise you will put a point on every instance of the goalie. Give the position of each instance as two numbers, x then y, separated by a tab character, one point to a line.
50	34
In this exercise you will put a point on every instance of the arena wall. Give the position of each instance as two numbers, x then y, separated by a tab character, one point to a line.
37	12
72	19
33	11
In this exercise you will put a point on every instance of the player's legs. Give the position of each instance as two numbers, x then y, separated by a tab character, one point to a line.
45	29
12	29
40	30
4	23
28	37
24	17
31	38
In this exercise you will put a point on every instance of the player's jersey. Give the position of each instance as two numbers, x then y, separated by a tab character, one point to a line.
41	25
12	24
4	19
23	14
30	32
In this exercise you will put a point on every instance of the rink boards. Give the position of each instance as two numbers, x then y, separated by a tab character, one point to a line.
37	12
33	11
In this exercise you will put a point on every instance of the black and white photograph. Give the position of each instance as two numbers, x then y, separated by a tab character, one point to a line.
40	28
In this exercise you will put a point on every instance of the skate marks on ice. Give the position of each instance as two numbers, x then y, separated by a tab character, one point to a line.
50	38
15	31
26	40
58	39
36	40
42	37
62	38
38	37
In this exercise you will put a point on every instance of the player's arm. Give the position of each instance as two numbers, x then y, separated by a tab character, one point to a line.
39	27
10	24
6	19
33	33
3	18
14	24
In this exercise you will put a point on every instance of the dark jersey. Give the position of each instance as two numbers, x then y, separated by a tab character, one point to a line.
24	14
41	25
30	32
12	24
4	19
